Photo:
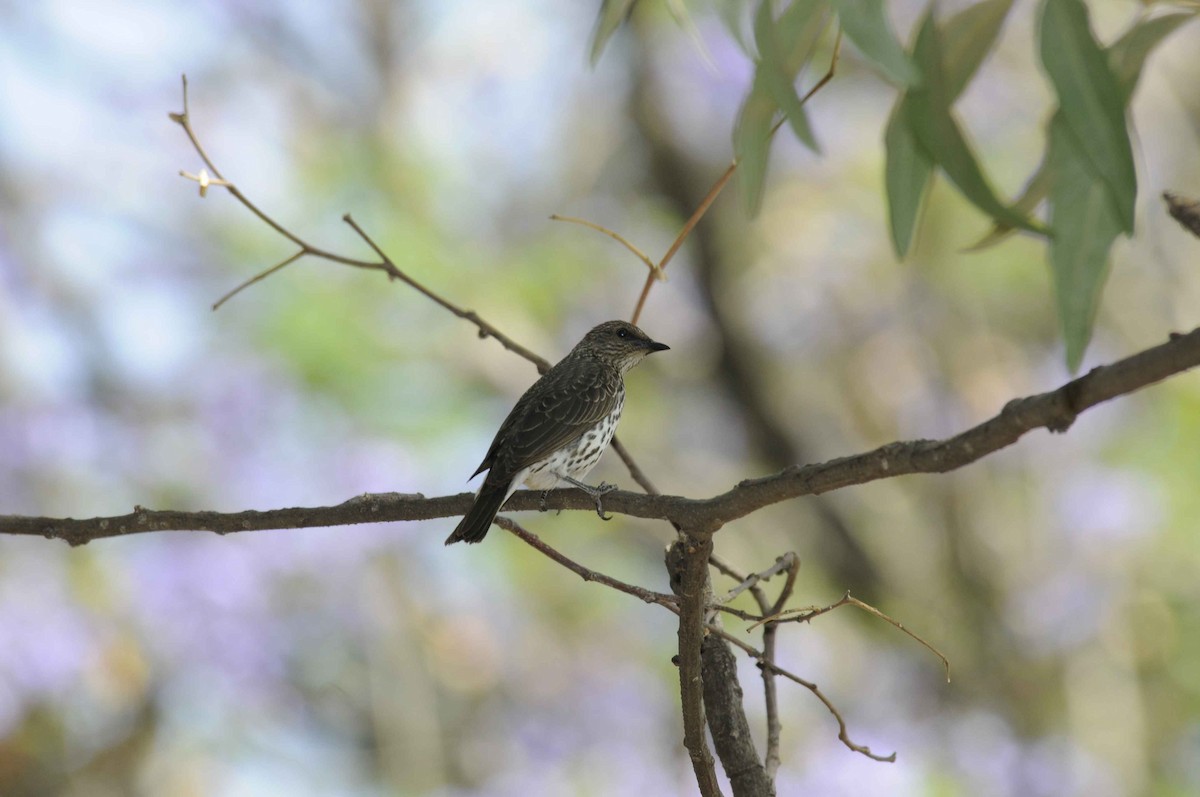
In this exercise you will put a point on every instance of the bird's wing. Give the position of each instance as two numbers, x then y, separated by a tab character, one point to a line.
559	407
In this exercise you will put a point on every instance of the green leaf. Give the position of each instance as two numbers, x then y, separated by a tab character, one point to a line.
752	144
1092	103
928	114
866	24
1085	224
1127	55
612	14
730	12
784	47
967	38
906	176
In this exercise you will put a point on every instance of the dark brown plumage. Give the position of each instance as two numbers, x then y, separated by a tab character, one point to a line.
559	428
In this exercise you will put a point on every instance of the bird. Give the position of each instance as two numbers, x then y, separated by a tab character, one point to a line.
558	429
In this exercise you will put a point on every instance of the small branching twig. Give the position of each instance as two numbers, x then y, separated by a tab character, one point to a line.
760	657
719	185
587	574
656	270
671	604
790	563
808	613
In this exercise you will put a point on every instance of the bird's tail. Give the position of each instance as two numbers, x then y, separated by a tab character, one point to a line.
475	524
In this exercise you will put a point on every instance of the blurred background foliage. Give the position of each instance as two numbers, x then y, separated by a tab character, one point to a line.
1062	576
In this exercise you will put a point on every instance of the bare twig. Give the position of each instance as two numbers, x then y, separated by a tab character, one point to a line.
587	574
257	277
783	563
384	263
808	613
791	563
843	732
671	603
719	185
616	236
635	471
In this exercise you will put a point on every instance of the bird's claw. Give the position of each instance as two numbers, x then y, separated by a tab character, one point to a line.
601	490
542	500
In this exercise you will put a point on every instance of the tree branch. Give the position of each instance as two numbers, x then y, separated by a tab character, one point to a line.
723	703
1055	410
687	564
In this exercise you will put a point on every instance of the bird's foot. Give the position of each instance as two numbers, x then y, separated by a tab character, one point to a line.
597	493
542	500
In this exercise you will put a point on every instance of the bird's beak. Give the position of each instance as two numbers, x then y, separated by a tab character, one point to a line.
654	345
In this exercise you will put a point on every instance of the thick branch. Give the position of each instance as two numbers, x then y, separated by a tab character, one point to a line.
727	721
687	563
1055	410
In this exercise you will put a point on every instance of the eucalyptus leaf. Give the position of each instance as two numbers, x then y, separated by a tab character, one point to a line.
865	23
612	14
907	173
1085	224
1092	102
967	38
928	114
1127	55
784	47
752	144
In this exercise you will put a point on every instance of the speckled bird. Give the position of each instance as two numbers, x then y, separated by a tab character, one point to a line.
557	431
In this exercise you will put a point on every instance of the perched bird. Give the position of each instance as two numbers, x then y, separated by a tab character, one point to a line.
560	427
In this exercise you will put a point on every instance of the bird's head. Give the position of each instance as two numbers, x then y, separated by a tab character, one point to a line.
619	343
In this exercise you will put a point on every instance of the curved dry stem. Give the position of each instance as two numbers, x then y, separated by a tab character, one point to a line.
763	661
262	275
616	236
587	574
722	181
808	613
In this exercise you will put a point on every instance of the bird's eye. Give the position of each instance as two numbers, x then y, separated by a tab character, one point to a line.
621	333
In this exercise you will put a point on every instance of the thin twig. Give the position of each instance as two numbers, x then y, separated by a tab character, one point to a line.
783	563
763	661
671	603
587	574
616	236
770	631
791	563
259	276
808	613
636	472
719	185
